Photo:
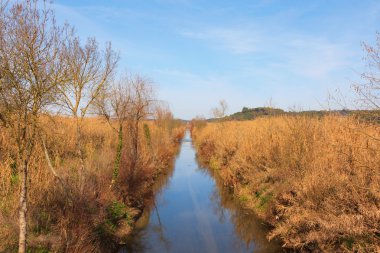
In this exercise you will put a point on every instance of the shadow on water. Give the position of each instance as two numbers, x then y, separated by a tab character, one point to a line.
250	230
192	212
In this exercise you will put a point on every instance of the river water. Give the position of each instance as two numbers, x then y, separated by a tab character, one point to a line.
193	213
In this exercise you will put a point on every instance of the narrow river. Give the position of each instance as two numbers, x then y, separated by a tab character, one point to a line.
192	213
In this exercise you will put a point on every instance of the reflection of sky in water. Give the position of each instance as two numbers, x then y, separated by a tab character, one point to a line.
189	217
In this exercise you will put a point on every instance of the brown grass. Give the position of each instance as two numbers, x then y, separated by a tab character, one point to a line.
316	181
65	218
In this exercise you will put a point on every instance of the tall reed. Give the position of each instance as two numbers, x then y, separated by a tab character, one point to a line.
314	180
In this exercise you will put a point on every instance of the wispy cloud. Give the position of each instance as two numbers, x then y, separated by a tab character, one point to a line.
76	17
309	56
316	57
237	41
181	2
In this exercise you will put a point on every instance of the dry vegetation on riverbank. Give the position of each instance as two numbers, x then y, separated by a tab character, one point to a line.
67	218
314	180
68	182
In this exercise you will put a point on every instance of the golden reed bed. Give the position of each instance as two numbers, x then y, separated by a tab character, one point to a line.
316	181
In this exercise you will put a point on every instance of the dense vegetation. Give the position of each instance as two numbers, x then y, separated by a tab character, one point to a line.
62	217
314	180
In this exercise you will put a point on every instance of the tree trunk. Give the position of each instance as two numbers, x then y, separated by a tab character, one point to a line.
80	154
23	210
51	167
135	147
116	167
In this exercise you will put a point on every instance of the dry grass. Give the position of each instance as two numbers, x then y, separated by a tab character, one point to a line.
316	181
66	218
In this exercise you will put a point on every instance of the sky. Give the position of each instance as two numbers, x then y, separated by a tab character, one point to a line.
288	54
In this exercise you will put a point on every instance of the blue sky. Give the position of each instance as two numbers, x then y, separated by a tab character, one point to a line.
246	52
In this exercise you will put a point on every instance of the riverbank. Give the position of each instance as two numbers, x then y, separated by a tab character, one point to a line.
314	180
84	210
210	219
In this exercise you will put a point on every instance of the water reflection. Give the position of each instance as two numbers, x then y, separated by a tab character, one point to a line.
248	227
193	213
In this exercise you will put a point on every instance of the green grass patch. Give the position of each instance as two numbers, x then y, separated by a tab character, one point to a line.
39	249
43	224
117	211
263	200
243	198
349	243
214	164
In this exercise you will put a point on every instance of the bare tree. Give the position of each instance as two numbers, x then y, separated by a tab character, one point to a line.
163	116
114	105
220	112
4	86
164	119
369	91
128	101
89	70
30	69
142	99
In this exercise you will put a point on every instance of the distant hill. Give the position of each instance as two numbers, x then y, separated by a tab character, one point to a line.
253	113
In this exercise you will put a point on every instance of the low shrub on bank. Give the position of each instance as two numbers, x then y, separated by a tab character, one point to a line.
315	180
